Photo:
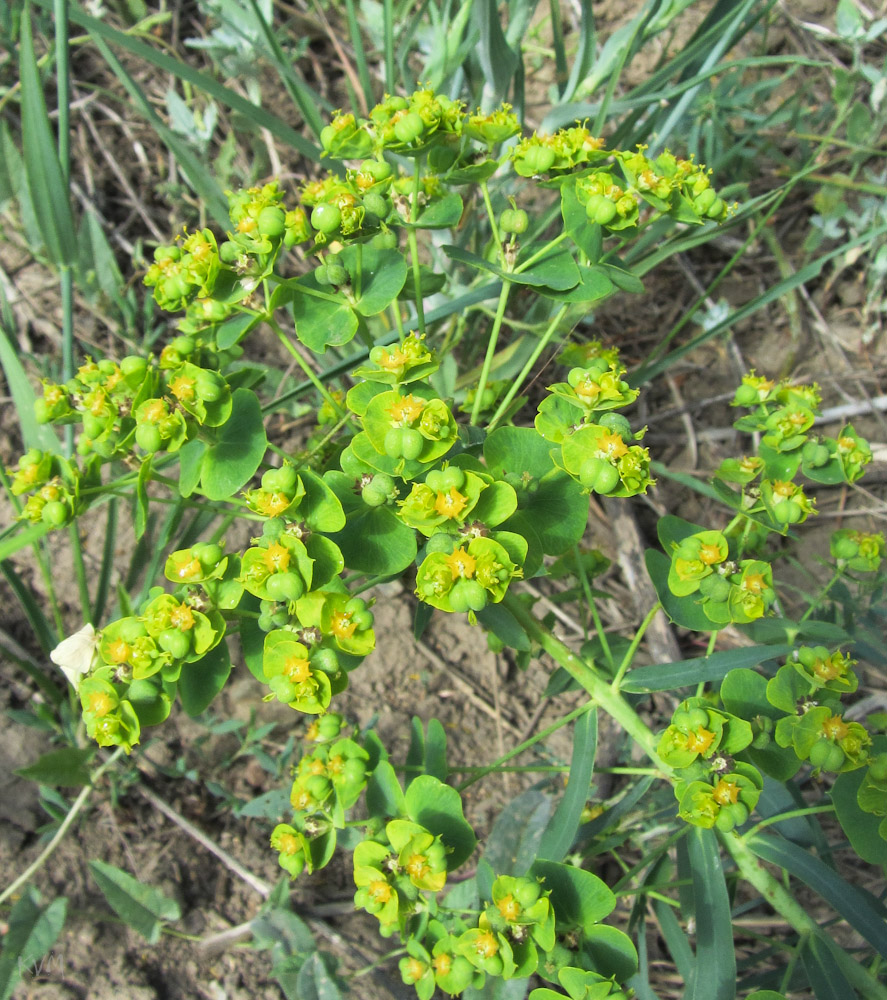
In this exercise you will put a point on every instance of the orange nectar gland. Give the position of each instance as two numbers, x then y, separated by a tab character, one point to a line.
406	410
699	740
726	793
835	728
182	618
246	225
461	563
191	568
709	554
119	651
100	703
379	890
273	504
509	907
392	360
277	558
450	504
296	669
415	969
611	445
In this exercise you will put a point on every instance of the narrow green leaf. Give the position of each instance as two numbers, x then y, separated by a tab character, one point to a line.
862	911
513	843
32	931
689	673
140	513
141	906
561	830
40	626
15	541
824	973
43	172
34	435
315	980
60	768
714	971
497	60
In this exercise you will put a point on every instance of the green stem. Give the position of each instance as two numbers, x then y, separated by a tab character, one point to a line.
587	676
781	817
414	246
494	228
839	572
543	734
491	351
73	812
530	261
527	368
381	960
306	368
789	909
635	642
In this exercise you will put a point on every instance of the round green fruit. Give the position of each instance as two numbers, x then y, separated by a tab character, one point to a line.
174	642
326	218
54	513
284	586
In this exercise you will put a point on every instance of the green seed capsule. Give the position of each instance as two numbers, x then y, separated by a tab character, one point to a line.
326	218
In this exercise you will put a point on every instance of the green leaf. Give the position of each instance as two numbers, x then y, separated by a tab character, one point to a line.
593	286
378	273
513	843
438	807
611	952
684	611
374	539
60	768
824	973
861	827
501	622
427	756
32	931
862	911
141	906
43	172
440	213
579	898
561	830
744	693
252	639
34	435
497	60
714	972
190	460
322	320
557	270
384	796
238	451
315	980
203	679
697	669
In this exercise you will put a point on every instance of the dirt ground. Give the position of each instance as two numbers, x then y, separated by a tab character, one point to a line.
485	702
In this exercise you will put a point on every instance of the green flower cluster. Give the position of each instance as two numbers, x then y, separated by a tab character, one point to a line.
712	788
729	591
468	576
57	487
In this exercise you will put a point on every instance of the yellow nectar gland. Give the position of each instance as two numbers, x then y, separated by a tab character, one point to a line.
182	618
379	890
296	669
726	793
302	800
587	390
846	445
183	388
754	583
784	490
829	669
406	410
392	360
272	504
155	411
611	445
288	843
835	728
188	569
486	944
415	970
100	703
277	558
341	625
417	867
461	564
699	740
246	225
450	504
442	964
709	554
509	907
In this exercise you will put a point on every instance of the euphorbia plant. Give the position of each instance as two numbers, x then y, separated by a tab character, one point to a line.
455	484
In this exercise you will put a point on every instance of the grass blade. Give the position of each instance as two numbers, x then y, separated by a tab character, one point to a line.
824	973
202	81
358	43
43	173
561	830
